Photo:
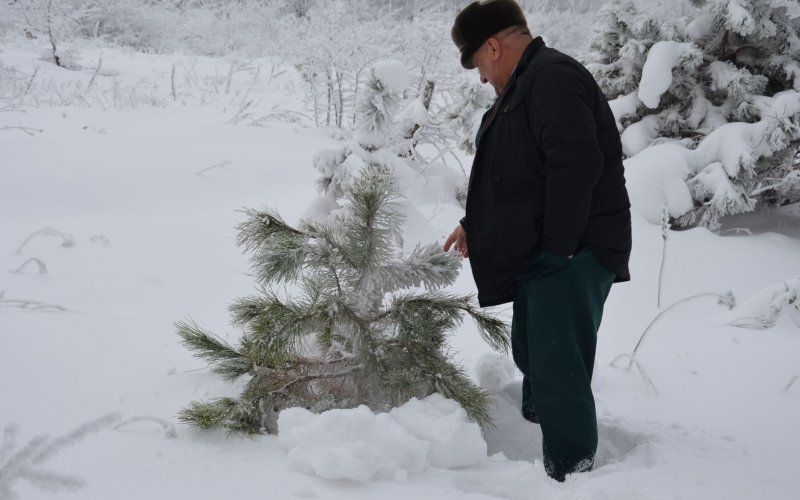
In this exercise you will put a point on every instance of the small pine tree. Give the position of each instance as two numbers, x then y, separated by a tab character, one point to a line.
357	329
732	61
354	333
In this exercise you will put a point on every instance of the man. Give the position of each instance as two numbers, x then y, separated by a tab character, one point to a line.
547	219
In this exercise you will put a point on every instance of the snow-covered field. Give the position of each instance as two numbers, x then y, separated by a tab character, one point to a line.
138	181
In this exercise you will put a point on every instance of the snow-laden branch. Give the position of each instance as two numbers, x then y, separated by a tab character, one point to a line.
657	71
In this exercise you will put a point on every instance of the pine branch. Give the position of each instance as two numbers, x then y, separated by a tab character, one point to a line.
425	317
373	223
328	260
426	266
278	319
225	359
261	226
235	415
275	328
281	258
494	331
454	384
246	309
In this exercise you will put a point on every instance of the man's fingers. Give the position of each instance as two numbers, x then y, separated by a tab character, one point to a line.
458	238
449	242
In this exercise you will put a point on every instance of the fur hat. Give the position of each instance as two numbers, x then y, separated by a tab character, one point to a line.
479	21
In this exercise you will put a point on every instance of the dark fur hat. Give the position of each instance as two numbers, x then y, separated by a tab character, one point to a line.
479	21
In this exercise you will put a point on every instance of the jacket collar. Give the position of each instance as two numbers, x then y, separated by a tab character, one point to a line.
527	56
524	60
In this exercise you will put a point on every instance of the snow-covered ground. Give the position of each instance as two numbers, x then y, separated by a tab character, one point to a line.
139	187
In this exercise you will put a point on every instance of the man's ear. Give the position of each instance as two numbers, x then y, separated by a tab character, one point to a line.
493	48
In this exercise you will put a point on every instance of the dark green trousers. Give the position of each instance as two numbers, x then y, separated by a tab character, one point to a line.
557	312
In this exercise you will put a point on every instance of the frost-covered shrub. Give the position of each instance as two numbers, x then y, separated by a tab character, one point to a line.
705	105
208	28
136	25
464	115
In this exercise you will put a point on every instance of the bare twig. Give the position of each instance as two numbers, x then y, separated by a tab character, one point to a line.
727	300
49	20
648	382
41	265
242	113
230	78
94	75
30	82
31	305
169	429
664	236
791	383
25	463
323	376
27	130
221	164
173	90
280	115
67	240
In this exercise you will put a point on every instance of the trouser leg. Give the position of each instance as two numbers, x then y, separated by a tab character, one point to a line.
519	351
554	333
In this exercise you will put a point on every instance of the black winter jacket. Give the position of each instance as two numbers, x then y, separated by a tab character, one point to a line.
547	176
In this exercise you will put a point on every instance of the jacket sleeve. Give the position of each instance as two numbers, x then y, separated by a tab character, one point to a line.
562	121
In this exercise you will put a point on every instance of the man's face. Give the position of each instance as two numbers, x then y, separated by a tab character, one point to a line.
486	65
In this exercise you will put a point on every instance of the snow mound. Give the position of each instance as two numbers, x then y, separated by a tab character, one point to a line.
655	179
623	106
764	309
454	441
494	371
360	445
392	74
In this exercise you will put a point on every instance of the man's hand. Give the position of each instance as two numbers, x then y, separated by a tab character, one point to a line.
459	238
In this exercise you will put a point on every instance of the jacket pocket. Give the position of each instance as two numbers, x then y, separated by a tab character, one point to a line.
511	122
517	236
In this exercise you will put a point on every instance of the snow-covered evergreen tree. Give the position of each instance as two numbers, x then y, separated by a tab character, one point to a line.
723	86
385	139
365	323
620	46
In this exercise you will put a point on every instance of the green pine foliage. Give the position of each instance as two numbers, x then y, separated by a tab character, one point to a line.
363	325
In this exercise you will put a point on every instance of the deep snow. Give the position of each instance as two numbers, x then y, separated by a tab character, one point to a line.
149	196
